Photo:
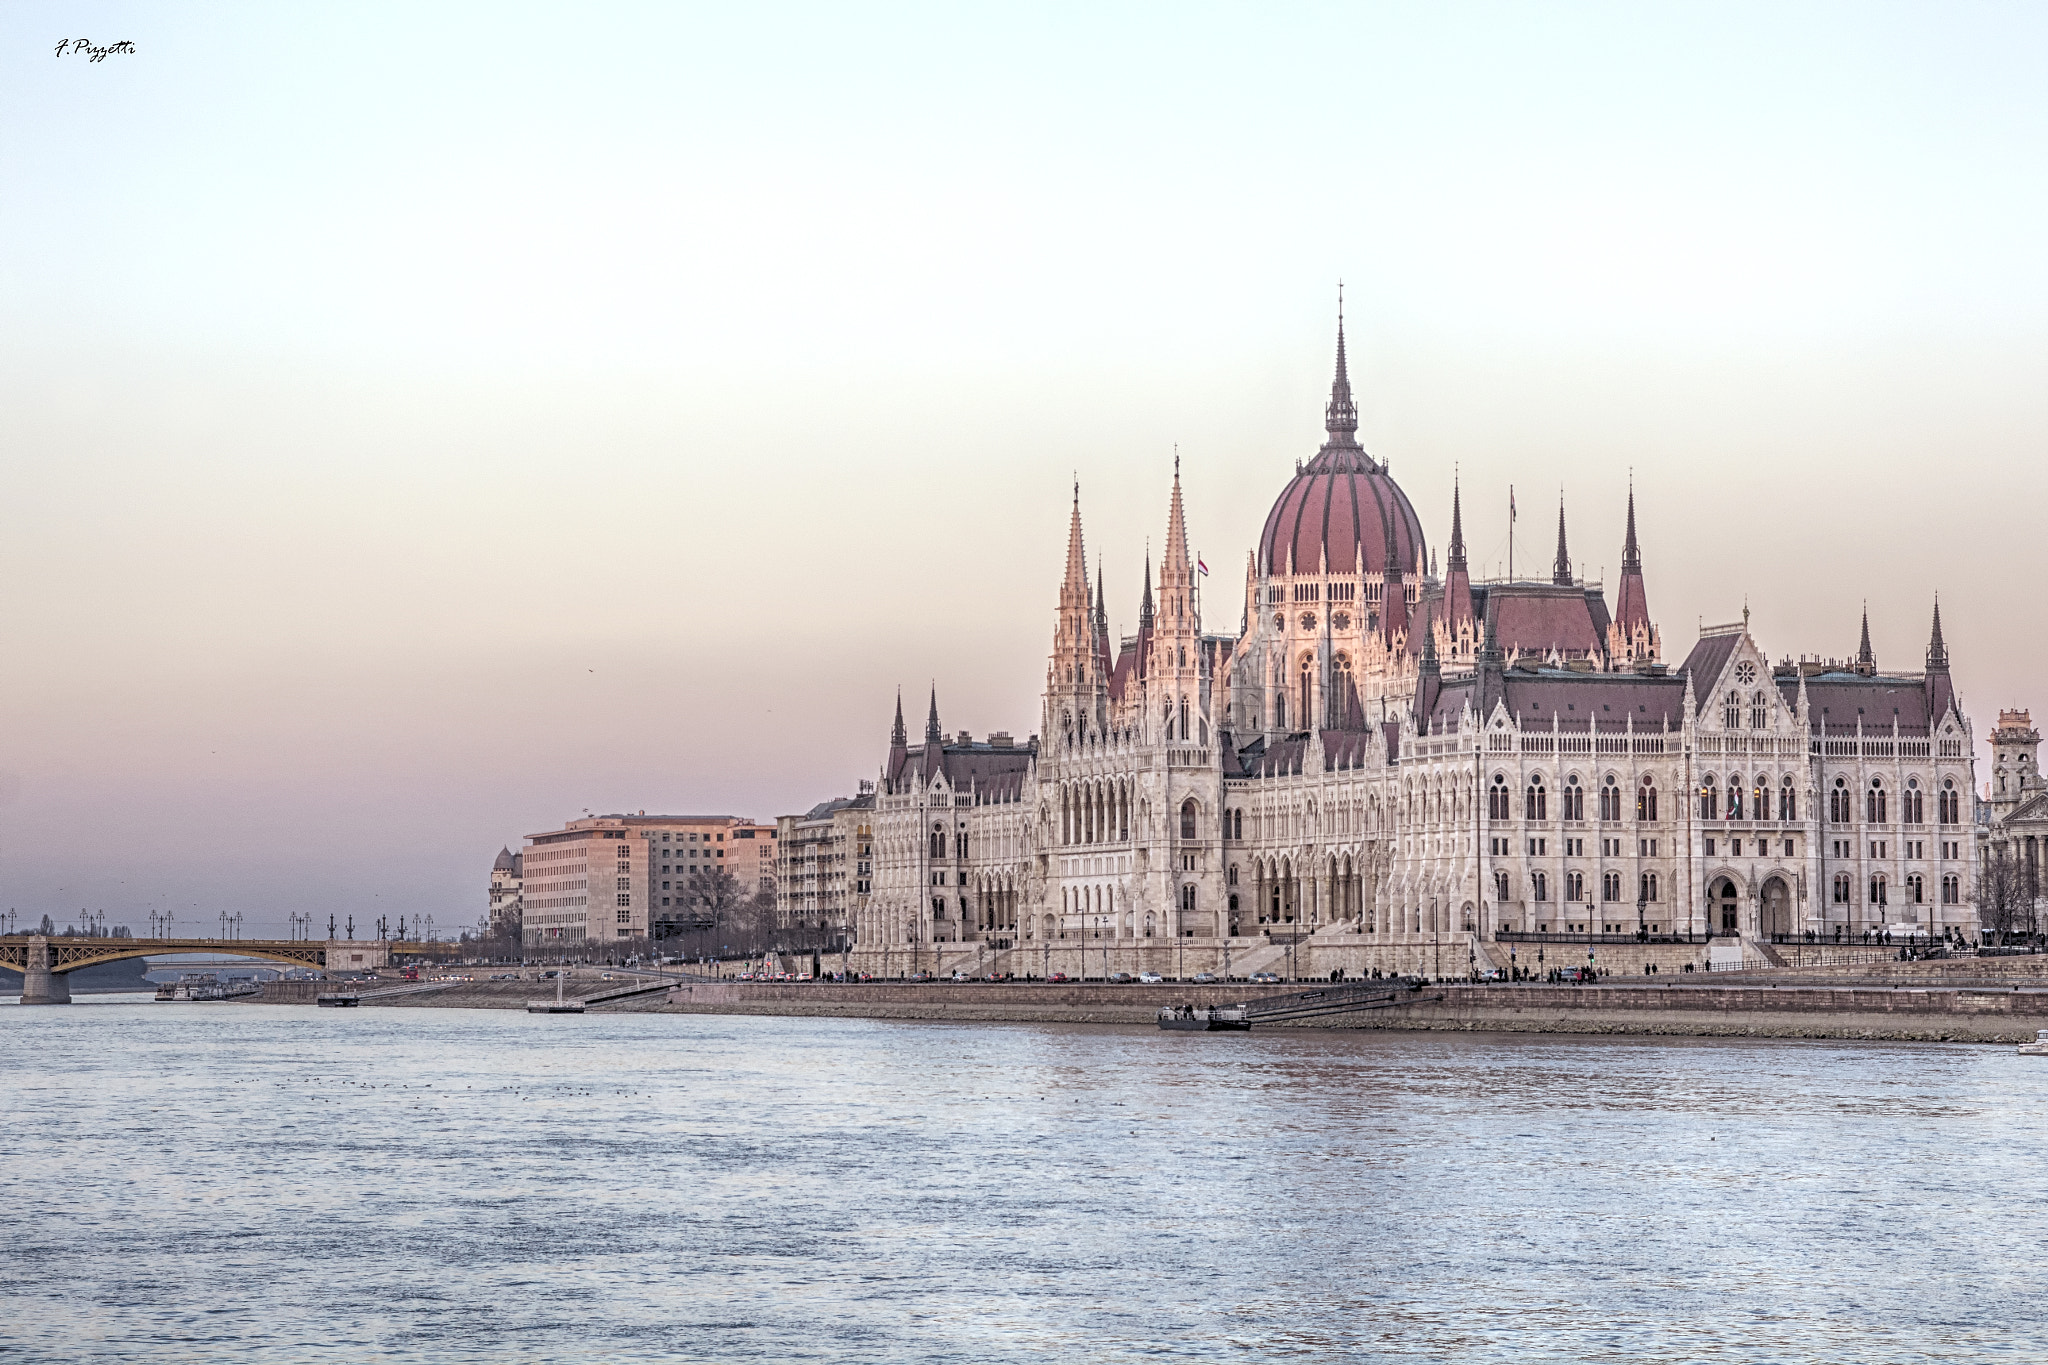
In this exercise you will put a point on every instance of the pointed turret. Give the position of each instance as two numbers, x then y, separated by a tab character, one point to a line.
899	750
1145	604
1071	677
1940	690
1458	623
1866	661
1561	567
1428	682
1393	594
932	733
1631	638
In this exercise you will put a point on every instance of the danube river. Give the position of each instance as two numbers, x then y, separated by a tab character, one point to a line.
195	1182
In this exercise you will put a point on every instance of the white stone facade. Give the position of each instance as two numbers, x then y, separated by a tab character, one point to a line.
1415	771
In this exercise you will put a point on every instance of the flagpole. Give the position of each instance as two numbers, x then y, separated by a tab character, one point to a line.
1511	533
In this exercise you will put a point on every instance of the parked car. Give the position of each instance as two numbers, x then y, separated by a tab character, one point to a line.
1150	978
1206	978
1060	976
1265	978
1120	978
962	976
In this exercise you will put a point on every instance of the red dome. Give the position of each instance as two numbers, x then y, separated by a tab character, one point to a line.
1338	508
1342	505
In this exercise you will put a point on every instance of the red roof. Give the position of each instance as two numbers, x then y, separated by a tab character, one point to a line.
1339	503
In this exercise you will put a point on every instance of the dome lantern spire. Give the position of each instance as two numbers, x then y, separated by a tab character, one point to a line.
1340	418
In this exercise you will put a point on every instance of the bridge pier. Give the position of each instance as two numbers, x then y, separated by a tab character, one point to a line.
40	985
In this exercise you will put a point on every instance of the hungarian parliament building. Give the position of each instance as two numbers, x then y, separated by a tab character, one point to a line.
1398	770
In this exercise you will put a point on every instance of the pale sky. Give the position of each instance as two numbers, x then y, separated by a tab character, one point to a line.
421	423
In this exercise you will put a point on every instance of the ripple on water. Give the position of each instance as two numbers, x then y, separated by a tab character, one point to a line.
194	1182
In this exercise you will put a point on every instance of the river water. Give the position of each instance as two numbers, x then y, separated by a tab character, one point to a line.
211	1182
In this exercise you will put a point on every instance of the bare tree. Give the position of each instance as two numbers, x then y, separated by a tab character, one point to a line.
2005	895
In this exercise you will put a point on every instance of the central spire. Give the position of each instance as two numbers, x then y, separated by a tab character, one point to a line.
1340	418
932	734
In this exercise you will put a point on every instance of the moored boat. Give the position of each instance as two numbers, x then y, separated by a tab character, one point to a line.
2037	1048
1204	1018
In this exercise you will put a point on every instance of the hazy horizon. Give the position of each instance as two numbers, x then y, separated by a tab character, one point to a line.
423	426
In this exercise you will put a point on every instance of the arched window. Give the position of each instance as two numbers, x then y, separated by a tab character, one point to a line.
1646	799
1946	804
1610	799
1760	796
1280	711
1877	890
1916	888
1187	901
1574	886
1788	801
1187	818
1308	689
1731	710
1710	799
1839	812
1910	808
1574	802
1539	886
938	841
1841	888
1536	802
1231	876
1874	803
960	842
1759	712
1340	694
1735	796
1183	718
1238	824
1500	886
1497	798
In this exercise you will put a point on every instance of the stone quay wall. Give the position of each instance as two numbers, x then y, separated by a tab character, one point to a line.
1918	1014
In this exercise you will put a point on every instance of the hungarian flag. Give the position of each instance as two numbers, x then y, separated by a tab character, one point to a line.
1200	565
1511	502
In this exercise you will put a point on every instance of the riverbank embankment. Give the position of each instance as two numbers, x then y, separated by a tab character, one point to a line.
1901	1011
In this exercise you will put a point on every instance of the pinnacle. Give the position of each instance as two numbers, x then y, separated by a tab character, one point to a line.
1457	531
1631	554
1561	567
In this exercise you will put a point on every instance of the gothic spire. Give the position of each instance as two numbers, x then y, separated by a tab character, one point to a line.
1937	649
1076	582
1561	567
1866	662
1340	418
932	734
1101	610
1631	554
1145	606
1457	530
897	738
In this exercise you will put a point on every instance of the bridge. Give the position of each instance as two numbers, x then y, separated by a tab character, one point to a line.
45	961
